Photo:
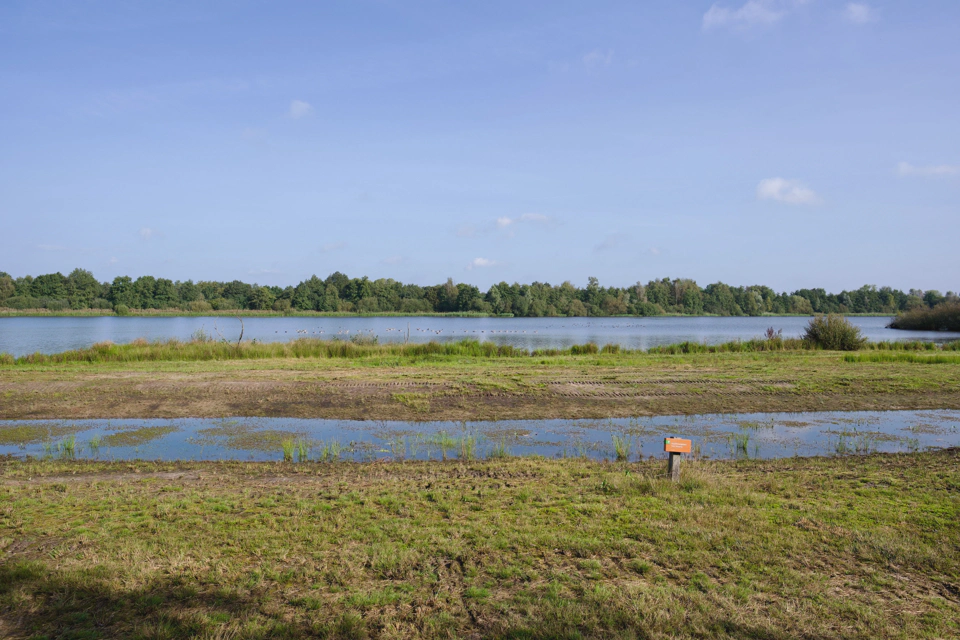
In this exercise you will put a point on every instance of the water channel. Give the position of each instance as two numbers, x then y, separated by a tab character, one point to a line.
747	435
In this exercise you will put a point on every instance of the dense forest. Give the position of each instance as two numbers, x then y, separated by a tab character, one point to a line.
340	293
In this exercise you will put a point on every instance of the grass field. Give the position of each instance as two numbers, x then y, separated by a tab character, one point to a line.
463	382
852	547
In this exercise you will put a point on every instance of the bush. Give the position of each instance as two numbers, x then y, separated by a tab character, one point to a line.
199	306
121	310
834	333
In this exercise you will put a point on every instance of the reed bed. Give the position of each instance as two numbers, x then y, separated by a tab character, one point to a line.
943	317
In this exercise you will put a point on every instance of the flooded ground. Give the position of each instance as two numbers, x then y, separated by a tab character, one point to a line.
751	435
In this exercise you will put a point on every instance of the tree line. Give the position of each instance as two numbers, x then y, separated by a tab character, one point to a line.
340	293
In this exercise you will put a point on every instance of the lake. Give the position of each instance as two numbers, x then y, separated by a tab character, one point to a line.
24	335
748	435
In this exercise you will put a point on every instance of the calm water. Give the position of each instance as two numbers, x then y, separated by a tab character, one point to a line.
755	435
21	336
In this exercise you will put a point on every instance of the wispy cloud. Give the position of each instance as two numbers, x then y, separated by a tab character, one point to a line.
300	109
264	272
859	13
146	233
51	247
612	241
503	225
907	169
394	260
598	58
330	247
752	13
786	191
481	263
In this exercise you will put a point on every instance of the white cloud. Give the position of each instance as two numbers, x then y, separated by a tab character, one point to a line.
654	251
907	169
333	246
480	263
752	13
788	191
300	109
503	221
113	260
467	231
859	13
146	233
598	58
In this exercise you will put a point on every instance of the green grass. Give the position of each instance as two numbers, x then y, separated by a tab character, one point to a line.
141	350
845	547
886	356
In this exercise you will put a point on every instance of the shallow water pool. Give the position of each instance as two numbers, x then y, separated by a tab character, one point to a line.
745	435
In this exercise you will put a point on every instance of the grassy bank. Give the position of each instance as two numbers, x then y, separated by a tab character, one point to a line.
141	350
523	548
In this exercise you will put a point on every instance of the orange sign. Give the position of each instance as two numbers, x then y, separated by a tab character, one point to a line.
676	445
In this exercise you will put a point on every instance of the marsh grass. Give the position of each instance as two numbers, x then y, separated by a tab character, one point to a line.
467	446
330	451
511	548
303	451
202	348
444	442
739	444
499	450
622	444
67	448
287	447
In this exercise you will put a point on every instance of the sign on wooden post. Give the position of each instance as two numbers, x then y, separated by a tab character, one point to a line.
675	447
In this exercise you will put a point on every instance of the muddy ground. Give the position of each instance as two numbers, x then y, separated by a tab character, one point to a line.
502	392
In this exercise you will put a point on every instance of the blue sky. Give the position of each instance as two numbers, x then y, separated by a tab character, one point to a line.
783	142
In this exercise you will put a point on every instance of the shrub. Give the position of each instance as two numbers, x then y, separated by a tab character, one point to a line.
834	333
199	306
121	310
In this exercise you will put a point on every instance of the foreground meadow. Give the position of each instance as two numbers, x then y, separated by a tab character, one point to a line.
851	547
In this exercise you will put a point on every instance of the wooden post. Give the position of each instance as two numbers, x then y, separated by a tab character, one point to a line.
675	447
673	466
